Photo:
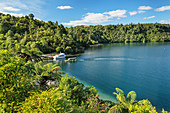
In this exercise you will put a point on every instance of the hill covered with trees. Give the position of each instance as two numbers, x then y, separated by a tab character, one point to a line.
38	36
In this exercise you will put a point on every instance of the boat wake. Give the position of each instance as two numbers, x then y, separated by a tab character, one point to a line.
108	59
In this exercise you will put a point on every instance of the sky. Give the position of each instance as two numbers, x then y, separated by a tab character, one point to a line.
91	12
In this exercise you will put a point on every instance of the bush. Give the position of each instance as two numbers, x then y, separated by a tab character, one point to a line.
68	49
15	80
128	104
59	49
75	91
47	102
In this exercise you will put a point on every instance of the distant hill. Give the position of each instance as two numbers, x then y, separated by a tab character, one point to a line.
47	37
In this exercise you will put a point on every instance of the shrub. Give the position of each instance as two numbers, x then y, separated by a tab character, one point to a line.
47	102
15	80
75	91
128	104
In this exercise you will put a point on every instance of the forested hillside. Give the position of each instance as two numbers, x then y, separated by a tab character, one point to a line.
18	33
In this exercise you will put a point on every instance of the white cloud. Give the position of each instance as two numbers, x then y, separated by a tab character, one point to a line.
145	8
133	13
13	14
75	23
96	18
64	7
90	18
24	6
10	9
118	18
117	13
11	3
164	21
141	12
163	8
149	17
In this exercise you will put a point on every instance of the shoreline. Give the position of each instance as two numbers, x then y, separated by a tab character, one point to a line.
96	45
46	56
101	93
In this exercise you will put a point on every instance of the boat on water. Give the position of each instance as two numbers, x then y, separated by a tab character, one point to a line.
71	59
59	56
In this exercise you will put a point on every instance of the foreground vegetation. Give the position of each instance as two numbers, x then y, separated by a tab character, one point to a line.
24	88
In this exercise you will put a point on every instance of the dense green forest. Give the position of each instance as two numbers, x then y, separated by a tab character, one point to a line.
27	86
26	33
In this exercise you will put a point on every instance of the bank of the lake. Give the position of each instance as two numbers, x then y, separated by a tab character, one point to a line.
102	94
143	68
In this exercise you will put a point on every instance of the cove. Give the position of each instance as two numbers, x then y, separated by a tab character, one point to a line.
143	68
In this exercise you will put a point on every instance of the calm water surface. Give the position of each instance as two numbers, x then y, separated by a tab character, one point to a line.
144	68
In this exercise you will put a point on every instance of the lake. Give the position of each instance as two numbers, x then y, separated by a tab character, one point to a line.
143	68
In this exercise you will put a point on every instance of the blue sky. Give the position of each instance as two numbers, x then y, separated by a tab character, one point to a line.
91	12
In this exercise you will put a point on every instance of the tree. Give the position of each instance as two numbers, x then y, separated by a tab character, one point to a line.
15	80
56	23
45	72
49	35
68	49
128	104
75	91
31	16
59	49
47	102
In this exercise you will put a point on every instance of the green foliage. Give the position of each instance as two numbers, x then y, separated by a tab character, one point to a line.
95	105
28	51
51	101
48	69
163	111
131	96
130	105
16	77
45	72
29	37
59	49
31	16
74	90
68	49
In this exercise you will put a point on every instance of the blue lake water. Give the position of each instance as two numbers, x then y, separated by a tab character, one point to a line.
143	68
